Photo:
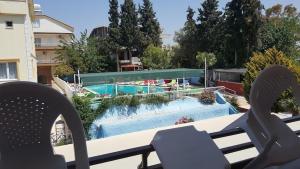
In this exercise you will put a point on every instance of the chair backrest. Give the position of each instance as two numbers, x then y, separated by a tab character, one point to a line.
268	87
27	113
276	142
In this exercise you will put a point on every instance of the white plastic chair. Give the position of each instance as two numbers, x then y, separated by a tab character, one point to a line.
275	141
27	113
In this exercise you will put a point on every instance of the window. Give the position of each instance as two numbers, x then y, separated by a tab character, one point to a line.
9	24
8	71
36	23
38	42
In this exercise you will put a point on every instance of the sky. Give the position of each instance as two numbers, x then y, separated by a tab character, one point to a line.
88	14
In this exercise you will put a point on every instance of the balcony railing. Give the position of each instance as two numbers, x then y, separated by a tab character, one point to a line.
47	60
144	151
48	45
134	61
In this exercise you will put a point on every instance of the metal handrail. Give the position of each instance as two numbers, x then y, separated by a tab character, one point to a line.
147	149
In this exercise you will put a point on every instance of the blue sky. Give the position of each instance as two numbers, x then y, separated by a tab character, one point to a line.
88	14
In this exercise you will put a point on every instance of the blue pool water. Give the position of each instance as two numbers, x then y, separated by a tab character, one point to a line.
109	89
121	120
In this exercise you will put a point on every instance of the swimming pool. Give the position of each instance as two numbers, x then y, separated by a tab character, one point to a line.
110	89
122	120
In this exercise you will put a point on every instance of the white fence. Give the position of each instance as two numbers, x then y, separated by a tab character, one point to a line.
69	92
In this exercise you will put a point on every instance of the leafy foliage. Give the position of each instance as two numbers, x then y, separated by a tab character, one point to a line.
232	37
130	34
207	97
86	113
281	30
187	39
114	27
278	36
63	70
155	99
149	24
82	54
210	59
242	22
209	26
156	58
260	61
232	100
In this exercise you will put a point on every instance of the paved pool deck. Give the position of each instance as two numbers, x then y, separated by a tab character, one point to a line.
131	140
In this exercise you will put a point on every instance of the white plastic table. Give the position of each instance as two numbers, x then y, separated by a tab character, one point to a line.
187	148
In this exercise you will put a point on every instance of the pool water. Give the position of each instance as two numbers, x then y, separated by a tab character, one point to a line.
109	89
122	120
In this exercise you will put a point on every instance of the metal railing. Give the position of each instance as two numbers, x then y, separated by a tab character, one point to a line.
144	151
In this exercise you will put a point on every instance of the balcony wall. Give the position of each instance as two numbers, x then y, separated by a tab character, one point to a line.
132	140
15	7
47	57
50	41
47	45
143	138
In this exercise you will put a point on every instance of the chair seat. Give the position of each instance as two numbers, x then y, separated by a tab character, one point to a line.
288	141
291	165
54	162
186	148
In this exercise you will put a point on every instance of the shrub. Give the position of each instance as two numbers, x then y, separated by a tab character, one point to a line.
231	100
156	58
207	97
155	99
86	113
260	61
63	70
134	102
63	142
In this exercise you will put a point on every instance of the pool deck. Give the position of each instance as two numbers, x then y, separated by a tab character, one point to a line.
131	140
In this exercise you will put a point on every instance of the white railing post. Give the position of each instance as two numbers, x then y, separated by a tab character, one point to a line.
148	87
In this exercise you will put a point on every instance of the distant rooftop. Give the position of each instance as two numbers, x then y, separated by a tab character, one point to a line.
241	71
46	24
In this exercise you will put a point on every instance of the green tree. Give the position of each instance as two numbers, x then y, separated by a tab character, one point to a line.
281	30
209	27
260	61
274	11
278	36
129	29
114	27
156	58
82	54
187	40
149	24
243	20
211	59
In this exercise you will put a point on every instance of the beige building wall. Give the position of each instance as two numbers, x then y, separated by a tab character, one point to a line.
17	42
